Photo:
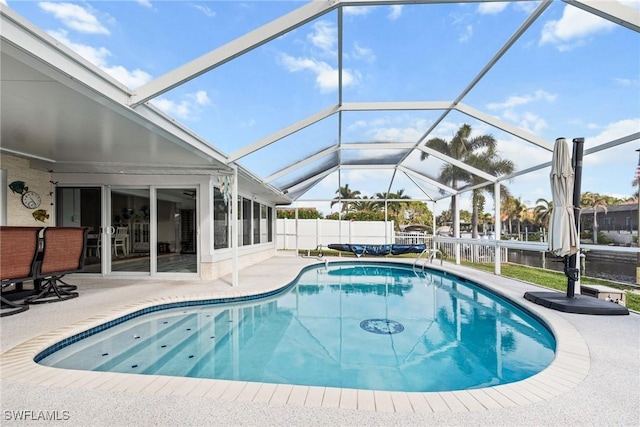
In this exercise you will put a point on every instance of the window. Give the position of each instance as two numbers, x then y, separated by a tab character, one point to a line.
220	221
608	224
264	228
246	222
270	222
256	223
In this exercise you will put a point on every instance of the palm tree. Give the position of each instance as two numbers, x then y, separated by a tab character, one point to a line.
507	211
394	207
513	208
345	193
594	201
487	219
459	146
487	161
480	152
542	211
520	211
366	204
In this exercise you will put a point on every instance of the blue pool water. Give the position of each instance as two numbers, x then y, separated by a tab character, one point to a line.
352	325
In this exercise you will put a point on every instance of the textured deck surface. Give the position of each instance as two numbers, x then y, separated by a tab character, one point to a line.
594	379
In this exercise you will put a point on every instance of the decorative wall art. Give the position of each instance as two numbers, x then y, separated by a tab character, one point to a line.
30	200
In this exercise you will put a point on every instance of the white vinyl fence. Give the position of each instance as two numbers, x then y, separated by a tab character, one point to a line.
311	233
306	234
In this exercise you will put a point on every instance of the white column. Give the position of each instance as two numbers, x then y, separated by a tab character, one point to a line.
297	230
434	225
386	219
456	227
234	234
497	228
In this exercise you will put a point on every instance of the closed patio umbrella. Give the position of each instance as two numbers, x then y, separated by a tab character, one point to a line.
566	180
563	235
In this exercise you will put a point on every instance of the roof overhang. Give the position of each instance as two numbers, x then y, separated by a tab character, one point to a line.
68	116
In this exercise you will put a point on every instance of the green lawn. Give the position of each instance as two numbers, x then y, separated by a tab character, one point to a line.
556	280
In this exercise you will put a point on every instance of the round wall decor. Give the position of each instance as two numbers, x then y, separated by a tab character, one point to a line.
31	199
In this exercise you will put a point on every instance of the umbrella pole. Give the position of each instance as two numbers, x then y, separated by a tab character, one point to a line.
578	147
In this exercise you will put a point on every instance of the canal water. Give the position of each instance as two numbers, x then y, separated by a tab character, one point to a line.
621	269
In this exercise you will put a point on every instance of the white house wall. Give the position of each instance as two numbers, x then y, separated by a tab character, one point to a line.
212	263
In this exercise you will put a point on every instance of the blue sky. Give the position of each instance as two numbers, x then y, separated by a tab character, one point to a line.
571	74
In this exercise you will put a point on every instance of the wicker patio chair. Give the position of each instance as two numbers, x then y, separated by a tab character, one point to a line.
18	254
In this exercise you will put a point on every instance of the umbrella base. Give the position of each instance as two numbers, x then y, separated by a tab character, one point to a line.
579	304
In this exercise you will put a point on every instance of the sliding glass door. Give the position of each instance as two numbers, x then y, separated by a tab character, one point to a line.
176	230
136	230
82	207
129	230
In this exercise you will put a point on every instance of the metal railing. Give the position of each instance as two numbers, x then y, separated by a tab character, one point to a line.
413	238
471	250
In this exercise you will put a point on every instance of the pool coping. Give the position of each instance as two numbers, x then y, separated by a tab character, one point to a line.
568	369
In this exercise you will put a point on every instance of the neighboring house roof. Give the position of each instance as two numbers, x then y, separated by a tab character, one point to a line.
626	207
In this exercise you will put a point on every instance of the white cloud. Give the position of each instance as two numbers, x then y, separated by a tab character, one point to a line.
573	28
411	133
395	12
610	132
324	37
326	76
145	3
626	82
491	8
75	17
130	78
466	34
525	6
204	9
99	57
248	123
518	100
201	98
188	108
356	10
527	121
363	53
403	128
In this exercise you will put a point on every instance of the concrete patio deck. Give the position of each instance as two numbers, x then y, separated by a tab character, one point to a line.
594	380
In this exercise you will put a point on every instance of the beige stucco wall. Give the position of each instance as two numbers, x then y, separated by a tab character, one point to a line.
18	170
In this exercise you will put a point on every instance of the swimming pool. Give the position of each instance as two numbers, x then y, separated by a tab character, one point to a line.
380	326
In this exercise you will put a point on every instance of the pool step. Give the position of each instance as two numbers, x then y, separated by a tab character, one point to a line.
99	357
182	353
174	354
223	368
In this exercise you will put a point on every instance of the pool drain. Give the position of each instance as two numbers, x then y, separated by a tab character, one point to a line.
382	326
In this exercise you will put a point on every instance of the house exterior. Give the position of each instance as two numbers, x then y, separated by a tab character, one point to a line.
158	200
619	223
617	218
